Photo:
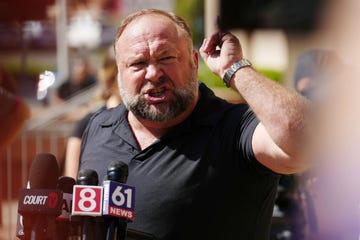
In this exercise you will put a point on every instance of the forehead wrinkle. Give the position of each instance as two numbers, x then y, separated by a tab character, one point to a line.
134	51
150	50
166	51
134	58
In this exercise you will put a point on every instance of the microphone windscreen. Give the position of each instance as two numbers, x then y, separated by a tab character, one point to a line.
87	177
118	171
66	184
44	172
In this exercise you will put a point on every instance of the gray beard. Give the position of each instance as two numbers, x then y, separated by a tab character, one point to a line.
182	99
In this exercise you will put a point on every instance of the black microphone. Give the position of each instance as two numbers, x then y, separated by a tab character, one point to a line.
118	202
87	203
64	228
87	177
41	202
118	171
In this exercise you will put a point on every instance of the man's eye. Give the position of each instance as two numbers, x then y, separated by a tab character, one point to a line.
167	59
138	64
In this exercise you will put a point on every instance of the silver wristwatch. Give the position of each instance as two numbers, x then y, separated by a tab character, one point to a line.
232	70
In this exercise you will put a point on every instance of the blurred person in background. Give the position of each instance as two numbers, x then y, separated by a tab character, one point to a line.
334	141
314	69
14	111
81	77
109	94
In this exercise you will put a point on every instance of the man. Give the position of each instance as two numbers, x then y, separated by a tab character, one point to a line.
203	168
314	70
14	111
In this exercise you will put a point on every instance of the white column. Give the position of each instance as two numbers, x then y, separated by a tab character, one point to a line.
61	42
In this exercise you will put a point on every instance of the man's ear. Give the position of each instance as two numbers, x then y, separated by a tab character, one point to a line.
196	58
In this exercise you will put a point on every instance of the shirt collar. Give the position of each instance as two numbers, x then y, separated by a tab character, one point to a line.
207	112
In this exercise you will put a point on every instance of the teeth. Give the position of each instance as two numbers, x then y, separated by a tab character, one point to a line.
157	92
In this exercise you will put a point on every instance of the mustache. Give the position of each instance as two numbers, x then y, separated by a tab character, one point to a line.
157	83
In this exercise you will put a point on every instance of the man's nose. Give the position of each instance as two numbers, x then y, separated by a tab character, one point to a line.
153	72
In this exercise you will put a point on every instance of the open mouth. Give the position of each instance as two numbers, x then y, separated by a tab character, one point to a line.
157	92
157	95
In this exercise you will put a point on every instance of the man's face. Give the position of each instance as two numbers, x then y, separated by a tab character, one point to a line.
157	69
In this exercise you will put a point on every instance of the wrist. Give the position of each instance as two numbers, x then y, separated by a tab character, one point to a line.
229	74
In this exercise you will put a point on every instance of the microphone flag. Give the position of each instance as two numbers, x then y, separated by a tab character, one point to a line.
119	200
87	200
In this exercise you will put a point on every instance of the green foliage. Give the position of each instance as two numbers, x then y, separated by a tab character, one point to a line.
32	68
211	80
208	77
193	13
276	75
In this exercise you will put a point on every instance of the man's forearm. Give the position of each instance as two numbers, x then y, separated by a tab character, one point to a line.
281	111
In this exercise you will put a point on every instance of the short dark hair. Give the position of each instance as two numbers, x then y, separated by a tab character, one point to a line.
176	19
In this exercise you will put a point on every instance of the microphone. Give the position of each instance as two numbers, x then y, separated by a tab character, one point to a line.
87	202
64	228
119	201
41	202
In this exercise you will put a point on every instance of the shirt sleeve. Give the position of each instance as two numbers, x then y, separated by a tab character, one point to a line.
246	131
80	126
249	123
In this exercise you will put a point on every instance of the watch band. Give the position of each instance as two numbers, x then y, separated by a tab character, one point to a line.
232	70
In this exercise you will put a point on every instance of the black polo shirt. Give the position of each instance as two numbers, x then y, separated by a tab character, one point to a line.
200	181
